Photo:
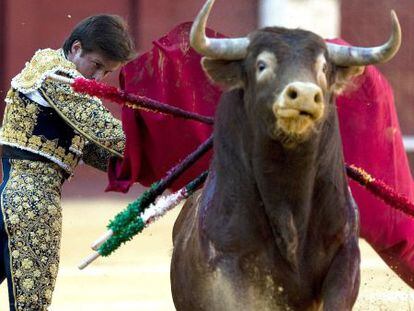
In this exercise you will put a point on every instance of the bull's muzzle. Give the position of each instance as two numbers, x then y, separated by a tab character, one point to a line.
298	107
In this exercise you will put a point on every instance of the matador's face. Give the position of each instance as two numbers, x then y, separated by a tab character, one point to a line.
92	65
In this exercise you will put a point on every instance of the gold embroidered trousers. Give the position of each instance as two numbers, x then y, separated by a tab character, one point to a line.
30	231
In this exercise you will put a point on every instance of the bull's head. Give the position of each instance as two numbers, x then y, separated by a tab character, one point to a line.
288	75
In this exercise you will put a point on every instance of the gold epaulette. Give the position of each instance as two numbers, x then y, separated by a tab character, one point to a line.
39	67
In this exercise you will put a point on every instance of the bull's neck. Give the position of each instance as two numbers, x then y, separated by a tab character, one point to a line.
292	176
266	192
281	175
301	188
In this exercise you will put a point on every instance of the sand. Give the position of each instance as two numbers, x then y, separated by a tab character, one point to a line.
136	277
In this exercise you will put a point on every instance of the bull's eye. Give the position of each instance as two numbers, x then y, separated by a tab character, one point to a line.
261	65
265	66
325	68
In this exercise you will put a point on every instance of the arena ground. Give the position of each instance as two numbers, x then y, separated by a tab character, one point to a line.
136	277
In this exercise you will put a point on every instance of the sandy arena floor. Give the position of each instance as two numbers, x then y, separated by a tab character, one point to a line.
136	277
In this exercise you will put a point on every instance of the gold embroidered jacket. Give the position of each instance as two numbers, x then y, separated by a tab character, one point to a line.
60	129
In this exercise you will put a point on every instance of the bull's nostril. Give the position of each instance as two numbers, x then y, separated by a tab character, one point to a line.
318	98
292	94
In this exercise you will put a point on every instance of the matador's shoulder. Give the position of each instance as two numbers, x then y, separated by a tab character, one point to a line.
43	63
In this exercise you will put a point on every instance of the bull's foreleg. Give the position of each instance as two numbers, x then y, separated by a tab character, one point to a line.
341	286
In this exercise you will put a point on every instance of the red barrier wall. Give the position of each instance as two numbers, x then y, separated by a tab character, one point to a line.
367	22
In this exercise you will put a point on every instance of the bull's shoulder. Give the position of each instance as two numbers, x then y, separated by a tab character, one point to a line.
187	214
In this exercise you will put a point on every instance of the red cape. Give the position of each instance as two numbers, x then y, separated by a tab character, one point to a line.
171	73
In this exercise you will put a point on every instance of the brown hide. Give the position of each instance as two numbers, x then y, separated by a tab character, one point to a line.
275	227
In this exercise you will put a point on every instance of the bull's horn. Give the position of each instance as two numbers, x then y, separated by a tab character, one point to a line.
359	56
230	49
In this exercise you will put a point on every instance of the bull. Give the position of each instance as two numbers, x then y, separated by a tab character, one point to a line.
275	226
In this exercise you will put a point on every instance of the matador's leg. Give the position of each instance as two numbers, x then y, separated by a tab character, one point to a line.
33	222
4	241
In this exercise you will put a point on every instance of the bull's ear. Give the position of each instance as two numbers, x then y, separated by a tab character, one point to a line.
343	77
224	72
